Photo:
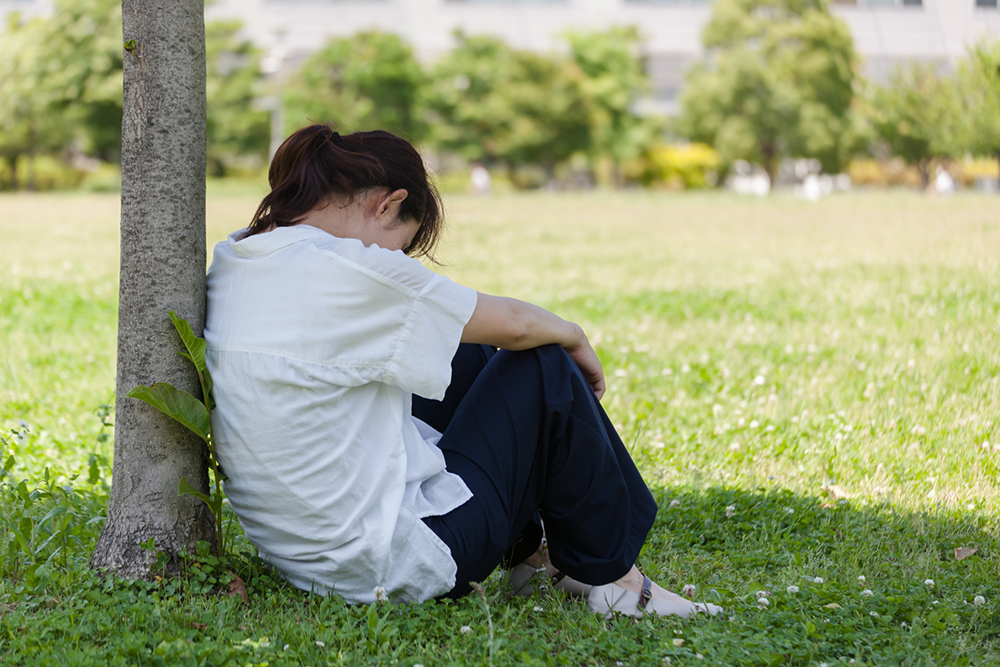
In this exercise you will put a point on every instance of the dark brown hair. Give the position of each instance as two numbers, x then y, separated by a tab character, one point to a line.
316	164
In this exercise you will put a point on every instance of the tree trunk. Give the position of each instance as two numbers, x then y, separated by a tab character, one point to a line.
162	268
31	184
770	165
924	166
12	161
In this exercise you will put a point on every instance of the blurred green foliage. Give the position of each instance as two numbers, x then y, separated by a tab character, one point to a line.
979	90
495	104
25	126
613	79
365	82
778	82
238	130
61	94
918	114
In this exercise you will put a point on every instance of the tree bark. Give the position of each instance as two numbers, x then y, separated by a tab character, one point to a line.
162	269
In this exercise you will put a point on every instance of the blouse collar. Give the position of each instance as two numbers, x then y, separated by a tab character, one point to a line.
266	242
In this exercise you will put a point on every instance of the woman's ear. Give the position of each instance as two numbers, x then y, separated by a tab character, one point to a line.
387	206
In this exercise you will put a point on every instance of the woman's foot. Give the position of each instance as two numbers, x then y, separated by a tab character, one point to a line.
636	595
538	569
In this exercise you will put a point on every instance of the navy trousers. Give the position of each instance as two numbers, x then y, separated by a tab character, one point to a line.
529	438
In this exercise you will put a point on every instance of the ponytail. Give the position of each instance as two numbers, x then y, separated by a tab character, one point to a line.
316	164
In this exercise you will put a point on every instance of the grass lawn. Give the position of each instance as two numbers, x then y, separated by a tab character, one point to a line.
812	391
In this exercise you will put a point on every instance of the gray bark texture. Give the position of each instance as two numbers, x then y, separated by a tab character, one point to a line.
162	269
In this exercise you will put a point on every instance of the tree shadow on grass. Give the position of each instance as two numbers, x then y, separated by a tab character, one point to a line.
805	553
841	578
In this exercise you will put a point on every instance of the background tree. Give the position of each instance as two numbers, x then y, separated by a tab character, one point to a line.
162	268
236	127
917	114
495	104
613	80
778	81
27	122
82	61
979	91
365	82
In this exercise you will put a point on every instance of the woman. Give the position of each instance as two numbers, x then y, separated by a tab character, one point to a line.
377	445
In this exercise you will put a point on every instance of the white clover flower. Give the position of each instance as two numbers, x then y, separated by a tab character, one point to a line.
934	601
537	608
667	660
762	594
320	644
465	629
380	594
699	656
817	580
867	593
929	583
619	663
823	664
763	602
862	579
730	510
790	510
873	614
675	503
979	600
688	590
754	424
759	380
792	590
285	647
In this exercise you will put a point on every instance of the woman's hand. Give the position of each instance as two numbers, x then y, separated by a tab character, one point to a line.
516	325
586	359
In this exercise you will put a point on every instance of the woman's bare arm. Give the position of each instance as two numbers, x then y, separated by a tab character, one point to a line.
517	325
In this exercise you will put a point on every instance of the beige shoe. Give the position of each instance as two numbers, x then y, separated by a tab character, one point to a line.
524	579
610	599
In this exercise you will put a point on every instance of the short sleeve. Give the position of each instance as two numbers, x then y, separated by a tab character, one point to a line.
422	313
431	333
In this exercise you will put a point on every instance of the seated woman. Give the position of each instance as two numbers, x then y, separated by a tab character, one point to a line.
376	442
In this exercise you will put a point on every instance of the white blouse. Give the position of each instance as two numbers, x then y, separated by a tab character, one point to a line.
316	344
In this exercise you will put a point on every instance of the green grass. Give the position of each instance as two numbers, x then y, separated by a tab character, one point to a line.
811	390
